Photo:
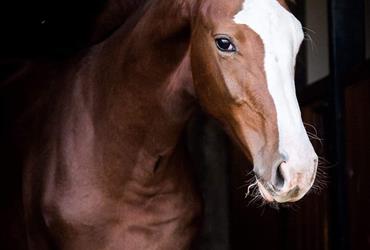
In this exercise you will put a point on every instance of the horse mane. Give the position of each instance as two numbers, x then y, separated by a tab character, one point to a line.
113	15
116	12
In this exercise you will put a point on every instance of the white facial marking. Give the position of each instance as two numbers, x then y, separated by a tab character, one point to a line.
282	36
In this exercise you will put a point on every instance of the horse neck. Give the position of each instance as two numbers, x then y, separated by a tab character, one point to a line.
112	16
143	83
156	36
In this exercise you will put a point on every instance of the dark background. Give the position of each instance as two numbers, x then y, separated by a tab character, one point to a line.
338	105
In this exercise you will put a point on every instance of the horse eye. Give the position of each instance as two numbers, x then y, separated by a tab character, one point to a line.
225	45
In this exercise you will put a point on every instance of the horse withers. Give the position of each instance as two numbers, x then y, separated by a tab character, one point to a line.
106	166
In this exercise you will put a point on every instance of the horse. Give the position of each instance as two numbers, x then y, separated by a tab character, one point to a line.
105	162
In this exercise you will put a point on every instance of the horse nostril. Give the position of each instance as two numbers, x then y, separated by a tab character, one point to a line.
279	179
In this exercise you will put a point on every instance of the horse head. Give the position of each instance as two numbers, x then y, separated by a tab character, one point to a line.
243	55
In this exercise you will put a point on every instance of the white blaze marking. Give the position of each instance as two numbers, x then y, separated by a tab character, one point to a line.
282	35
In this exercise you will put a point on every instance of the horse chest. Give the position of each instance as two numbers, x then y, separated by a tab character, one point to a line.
156	214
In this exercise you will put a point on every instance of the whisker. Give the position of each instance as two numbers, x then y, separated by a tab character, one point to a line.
322	159
315	132
311	126
322	177
308	37
310	41
250	173
310	30
313	135
249	188
247	183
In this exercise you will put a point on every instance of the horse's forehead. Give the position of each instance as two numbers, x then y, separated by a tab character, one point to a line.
271	20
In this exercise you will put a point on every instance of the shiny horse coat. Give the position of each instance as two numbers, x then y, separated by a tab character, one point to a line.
106	166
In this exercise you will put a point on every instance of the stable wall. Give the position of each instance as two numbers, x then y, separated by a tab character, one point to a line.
367	16
317	51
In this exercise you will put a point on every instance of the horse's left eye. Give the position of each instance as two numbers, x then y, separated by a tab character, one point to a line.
225	45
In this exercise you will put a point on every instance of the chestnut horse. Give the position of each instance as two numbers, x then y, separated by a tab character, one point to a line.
107	166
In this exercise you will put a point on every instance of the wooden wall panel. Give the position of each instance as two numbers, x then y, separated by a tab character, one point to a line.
358	163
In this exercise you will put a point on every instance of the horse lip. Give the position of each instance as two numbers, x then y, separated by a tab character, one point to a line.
265	193
269	188
270	194
313	177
